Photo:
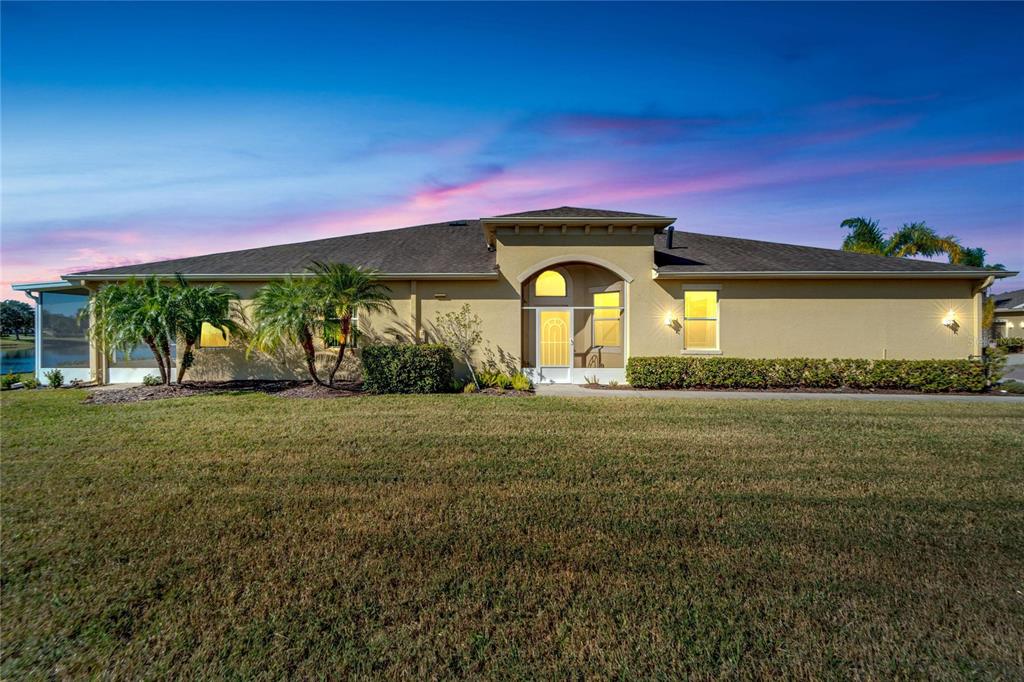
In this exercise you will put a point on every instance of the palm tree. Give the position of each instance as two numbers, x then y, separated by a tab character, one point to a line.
865	236
134	312
913	239
195	305
976	258
347	291
289	311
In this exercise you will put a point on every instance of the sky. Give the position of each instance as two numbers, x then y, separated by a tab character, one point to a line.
134	132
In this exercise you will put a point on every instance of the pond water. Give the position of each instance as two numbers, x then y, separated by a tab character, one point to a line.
19	360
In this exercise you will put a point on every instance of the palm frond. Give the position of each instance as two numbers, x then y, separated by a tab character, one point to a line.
864	236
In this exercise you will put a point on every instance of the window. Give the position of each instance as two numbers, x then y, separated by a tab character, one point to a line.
700	320
335	340
608	318
64	329
550	283
213	337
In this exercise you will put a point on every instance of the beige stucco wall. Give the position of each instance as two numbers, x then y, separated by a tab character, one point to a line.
899	319
233	362
859	318
856	318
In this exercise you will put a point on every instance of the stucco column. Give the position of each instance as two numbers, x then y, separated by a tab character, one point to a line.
97	361
414	312
627	322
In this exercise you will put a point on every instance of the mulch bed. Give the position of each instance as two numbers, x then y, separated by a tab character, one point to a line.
284	389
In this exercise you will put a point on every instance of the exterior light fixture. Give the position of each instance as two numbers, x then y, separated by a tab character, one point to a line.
949	320
669	320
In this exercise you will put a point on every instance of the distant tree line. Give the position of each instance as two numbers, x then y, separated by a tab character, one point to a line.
16	318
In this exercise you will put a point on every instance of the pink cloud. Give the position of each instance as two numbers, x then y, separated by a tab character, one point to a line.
491	191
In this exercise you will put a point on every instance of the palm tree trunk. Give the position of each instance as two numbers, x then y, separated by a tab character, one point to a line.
165	346
183	367
151	342
310	352
346	324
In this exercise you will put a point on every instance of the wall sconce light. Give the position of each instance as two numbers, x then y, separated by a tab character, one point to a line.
672	323
950	321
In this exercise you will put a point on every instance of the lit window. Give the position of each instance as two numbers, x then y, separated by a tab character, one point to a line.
608	318
700	320
335	340
213	337
550	283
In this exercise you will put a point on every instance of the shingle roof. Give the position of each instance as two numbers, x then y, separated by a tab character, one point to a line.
1010	300
458	247
453	247
576	212
704	253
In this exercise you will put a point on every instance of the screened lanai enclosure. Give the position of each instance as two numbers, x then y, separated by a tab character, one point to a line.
62	340
574	324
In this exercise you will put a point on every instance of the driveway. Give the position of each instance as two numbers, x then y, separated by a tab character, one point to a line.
1015	366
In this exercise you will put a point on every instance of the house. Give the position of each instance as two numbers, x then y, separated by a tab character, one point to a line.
1009	312
571	292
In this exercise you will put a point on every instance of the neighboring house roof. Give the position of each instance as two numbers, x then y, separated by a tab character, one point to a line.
458	248
697	254
576	212
1010	301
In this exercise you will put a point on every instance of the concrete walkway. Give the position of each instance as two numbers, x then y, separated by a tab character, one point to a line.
573	391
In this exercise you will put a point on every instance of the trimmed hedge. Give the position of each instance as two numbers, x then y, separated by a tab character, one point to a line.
1011	344
407	368
929	376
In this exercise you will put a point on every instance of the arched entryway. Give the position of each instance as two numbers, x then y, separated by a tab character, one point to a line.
574	323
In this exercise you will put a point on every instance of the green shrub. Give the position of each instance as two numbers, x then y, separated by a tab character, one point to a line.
930	376
521	382
1012	344
8	380
503	381
54	377
30	382
488	379
469	388
407	368
151	380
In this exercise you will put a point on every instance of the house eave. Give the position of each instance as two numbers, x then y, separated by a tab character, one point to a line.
267	276
831	274
44	286
490	225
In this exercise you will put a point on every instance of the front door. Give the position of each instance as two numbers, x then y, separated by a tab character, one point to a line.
554	344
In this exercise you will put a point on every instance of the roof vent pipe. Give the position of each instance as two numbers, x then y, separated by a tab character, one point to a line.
671	233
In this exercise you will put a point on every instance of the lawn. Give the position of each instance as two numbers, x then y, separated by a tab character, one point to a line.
466	536
11	343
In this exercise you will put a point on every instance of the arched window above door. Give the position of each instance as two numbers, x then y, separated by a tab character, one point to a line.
549	283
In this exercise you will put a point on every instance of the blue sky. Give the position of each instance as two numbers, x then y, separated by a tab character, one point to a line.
136	132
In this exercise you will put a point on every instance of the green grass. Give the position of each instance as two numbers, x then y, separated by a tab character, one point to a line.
463	536
11	343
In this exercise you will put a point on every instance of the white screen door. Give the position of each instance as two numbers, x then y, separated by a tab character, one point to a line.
554	343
